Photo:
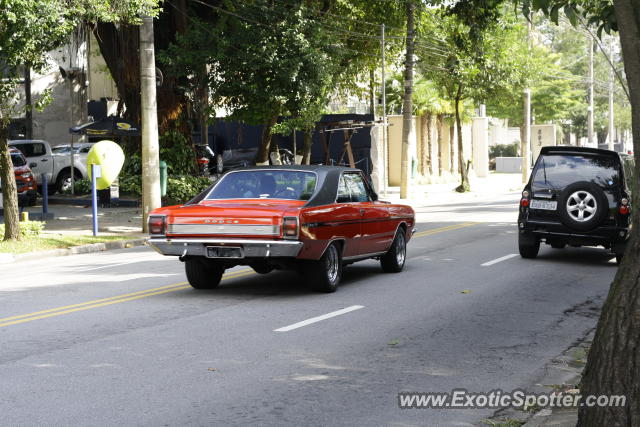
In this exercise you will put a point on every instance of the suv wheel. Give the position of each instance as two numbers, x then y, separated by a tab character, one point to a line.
528	245
582	206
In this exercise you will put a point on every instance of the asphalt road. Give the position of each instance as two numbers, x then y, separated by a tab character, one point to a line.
118	338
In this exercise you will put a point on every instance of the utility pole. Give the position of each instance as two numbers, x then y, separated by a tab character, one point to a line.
590	110
407	106
525	134
611	144
385	143
28	114
150	145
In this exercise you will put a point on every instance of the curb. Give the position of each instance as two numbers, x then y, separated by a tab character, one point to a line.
6	258
80	201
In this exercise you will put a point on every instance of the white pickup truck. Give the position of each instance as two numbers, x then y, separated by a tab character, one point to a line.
43	160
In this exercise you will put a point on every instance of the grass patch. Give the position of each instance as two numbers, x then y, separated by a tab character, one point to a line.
43	243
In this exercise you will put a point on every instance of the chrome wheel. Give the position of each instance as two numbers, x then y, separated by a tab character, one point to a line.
401	249
582	206
332	263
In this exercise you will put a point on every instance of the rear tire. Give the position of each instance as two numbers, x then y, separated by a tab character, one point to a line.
393	261
203	273
528	245
327	271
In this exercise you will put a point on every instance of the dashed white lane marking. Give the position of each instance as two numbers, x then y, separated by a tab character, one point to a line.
497	260
318	318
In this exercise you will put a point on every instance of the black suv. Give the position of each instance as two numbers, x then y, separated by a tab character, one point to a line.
579	197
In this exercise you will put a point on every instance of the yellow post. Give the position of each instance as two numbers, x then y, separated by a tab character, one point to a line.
24	216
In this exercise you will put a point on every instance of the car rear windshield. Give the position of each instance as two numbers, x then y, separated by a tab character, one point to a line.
559	170
18	160
265	184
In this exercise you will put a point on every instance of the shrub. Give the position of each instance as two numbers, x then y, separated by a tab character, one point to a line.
181	189
130	184
27	228
82	186
504	150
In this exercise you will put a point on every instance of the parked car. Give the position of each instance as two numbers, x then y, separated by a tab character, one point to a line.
209	163
57	167
579	197
308	218
25	181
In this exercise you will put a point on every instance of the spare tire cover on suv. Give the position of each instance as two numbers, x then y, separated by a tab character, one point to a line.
583	206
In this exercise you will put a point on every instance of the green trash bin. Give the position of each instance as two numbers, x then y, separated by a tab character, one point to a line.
163	178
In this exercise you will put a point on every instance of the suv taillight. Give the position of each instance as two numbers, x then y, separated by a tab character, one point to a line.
203	161
524	202
290	227
624	207
156	224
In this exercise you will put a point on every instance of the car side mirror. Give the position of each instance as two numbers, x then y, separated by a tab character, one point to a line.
33	164
374	196
343	199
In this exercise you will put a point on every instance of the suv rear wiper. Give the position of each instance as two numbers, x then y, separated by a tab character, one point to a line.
544	170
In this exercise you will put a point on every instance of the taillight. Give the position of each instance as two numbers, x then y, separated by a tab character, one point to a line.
524	202
290	227
624	207
203	161
156	224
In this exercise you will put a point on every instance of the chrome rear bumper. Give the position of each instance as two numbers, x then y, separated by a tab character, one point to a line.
250	248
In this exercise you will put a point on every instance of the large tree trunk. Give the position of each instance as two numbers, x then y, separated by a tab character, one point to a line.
119	47
613	365
265	141
9	190
464	176
425	144
407	106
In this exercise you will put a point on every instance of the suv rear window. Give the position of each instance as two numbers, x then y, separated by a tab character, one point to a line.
559	170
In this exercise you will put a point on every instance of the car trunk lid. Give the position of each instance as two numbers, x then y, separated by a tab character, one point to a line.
221	218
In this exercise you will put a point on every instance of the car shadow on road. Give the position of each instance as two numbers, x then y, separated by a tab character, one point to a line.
577	256
285	283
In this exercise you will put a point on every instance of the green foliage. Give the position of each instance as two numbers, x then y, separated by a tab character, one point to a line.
504	150
130	184
82	186
175	149
27	229
181	189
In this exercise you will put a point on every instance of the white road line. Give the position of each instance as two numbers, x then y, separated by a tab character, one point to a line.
497	260
318	318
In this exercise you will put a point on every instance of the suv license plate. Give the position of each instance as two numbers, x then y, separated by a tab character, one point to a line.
547	205
224	252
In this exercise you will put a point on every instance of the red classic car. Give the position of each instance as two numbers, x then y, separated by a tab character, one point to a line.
314	219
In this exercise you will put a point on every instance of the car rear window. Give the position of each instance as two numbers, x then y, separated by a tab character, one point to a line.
559	170
265	184
18	160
